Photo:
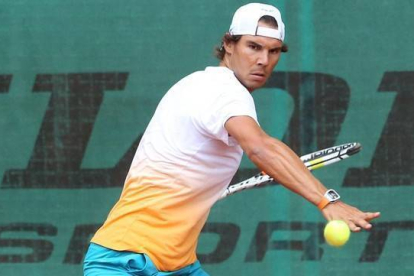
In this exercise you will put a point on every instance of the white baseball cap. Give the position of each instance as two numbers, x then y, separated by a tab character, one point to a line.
246	17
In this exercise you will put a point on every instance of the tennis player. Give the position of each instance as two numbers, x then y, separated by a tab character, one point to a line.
190	151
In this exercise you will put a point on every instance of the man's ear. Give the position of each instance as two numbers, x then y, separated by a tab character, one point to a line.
228	47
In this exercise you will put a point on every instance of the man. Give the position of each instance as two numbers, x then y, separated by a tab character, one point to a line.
192	149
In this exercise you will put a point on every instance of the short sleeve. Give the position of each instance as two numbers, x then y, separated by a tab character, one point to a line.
215	114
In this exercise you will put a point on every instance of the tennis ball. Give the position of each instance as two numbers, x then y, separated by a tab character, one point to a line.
336	233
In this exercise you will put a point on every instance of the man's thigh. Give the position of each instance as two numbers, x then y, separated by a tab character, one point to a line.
190	270
103	261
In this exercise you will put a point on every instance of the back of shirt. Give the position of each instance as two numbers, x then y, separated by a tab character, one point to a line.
184	162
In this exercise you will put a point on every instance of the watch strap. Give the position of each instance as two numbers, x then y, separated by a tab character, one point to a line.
330	196
323	203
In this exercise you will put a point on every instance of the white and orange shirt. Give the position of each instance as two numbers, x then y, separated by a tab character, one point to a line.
184	162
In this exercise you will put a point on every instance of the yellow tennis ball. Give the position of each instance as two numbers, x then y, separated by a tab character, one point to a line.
336	233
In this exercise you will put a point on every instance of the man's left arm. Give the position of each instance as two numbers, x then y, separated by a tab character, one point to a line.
280	162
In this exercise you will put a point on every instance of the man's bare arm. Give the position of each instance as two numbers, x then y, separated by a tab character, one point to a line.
280	162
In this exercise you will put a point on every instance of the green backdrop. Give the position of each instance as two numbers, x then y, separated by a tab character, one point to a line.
80	80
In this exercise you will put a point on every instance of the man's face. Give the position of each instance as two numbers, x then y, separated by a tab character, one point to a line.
253	58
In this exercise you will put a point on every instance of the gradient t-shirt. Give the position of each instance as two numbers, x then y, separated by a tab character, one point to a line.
184	162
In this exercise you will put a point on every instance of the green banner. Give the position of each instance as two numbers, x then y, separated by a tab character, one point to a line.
80	80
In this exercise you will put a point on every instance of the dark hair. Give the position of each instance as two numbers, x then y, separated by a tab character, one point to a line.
219	51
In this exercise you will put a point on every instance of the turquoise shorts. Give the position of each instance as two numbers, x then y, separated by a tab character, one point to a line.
100	261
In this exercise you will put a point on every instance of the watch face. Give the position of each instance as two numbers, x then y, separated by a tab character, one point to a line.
332	195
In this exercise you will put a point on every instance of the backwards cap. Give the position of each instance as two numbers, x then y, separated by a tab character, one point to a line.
246	18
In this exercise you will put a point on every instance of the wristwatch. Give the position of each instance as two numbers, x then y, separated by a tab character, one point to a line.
330	196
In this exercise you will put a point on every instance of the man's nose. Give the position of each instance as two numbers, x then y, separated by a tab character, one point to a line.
263	58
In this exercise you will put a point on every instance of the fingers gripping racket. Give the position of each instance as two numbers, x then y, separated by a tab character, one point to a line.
312	161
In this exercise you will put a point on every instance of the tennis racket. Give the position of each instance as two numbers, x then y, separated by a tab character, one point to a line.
312	161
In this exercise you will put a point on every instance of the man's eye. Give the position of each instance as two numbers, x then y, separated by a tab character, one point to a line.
275	51
253	47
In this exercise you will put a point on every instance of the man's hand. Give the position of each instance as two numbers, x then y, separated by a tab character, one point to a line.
356	219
